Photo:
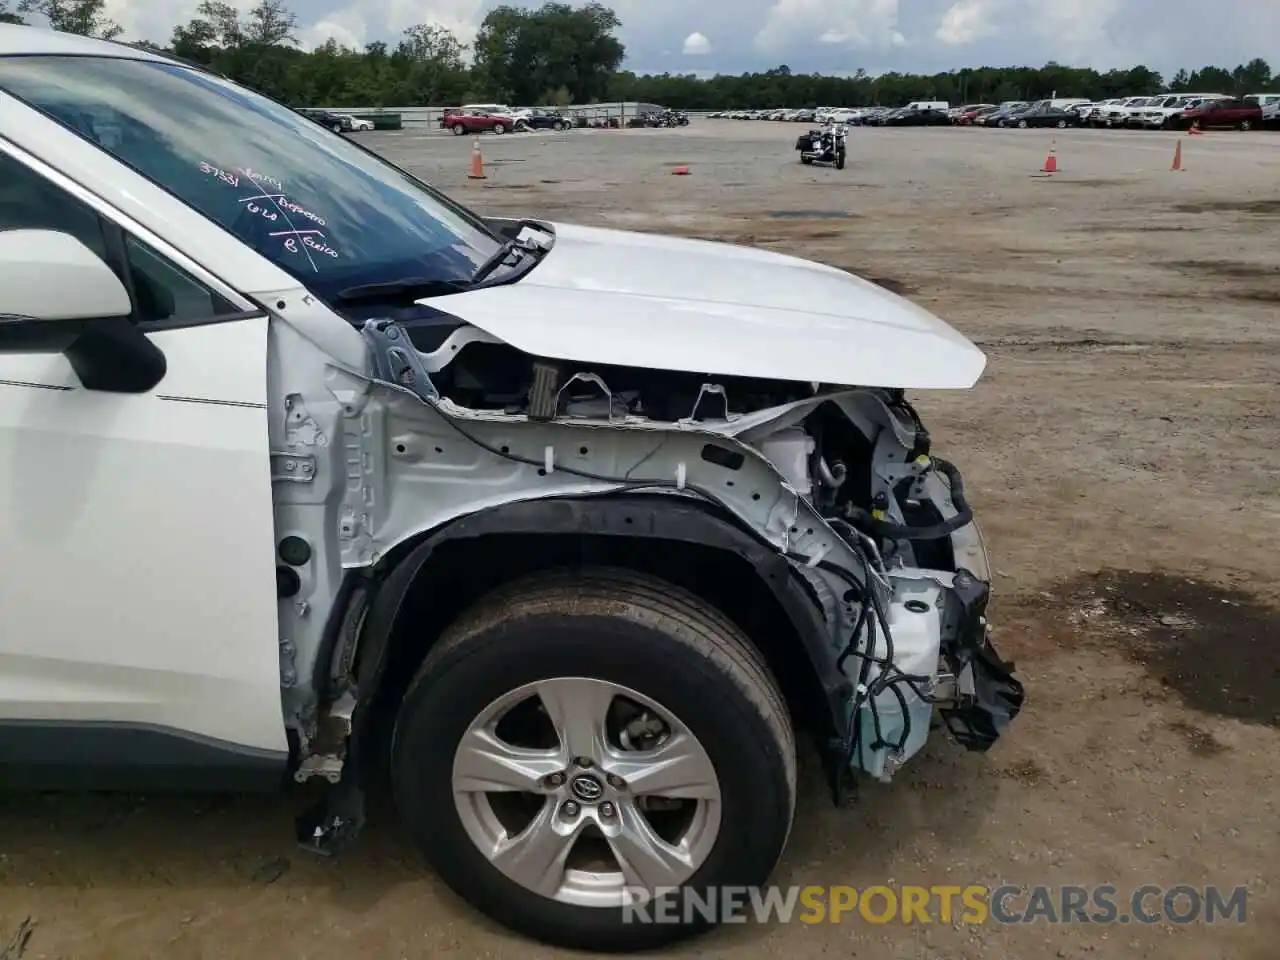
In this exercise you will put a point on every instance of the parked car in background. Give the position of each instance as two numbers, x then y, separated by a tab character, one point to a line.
1043	115
1132	114
1227	113
354	124
918	117
941	106
1269	104
1092	113
1006	109
327	118
1159	111
1067	103
964	115
1116	113
464	121
544	118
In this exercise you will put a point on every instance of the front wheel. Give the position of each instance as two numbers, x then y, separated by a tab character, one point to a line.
840	160
336	128
1062	124
1246	125
499	129
581	739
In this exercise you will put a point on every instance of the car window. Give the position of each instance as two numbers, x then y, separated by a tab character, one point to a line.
30	202
162	292
320	207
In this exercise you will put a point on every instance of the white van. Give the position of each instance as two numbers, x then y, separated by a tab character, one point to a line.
1269	102
941	105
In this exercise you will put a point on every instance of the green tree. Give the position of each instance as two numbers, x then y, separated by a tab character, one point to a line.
85	17
1252	77
216	27
270	24
520	54
1211	80
431	61
7	15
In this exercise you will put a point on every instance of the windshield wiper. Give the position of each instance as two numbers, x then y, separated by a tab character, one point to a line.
427	286
505	252
410	286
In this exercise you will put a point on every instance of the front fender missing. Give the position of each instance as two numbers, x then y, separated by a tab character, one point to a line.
655	517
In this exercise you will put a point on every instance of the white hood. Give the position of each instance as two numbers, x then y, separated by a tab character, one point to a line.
642	300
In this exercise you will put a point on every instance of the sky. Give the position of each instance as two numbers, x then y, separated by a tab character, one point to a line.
831	36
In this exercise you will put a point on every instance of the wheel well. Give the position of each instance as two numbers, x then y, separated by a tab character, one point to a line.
458	573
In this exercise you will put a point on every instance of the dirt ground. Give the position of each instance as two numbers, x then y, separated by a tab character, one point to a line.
1121	452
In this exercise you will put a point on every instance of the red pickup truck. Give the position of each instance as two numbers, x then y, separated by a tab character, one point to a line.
462	122
1232	113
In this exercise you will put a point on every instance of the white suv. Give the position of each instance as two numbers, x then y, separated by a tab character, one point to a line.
1160	112
309	471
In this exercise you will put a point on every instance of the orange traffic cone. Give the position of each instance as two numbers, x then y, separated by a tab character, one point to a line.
1195	130
477	163
680	171
1051	161
1177	157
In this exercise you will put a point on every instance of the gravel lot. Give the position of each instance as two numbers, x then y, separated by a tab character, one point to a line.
1121	452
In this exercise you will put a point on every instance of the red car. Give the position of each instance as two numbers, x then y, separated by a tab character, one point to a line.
974	115
1233	114
476	121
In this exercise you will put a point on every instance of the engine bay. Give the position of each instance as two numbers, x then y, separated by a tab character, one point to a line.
824	456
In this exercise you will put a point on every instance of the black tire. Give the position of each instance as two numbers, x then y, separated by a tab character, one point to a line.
499	129
459	130
1022	124
807	161
336	128
1062	124
840	160
632	630
1246	125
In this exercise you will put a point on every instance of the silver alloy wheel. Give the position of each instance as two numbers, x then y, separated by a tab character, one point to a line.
594	785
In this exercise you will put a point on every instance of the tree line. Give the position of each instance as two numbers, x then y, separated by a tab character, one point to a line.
560	55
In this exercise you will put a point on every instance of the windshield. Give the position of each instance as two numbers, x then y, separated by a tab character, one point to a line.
306	198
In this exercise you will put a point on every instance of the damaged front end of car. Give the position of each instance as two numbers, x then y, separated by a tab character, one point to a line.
831	493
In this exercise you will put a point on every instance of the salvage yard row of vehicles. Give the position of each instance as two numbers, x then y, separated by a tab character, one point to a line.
1180	111
499	119
1164	112
917	113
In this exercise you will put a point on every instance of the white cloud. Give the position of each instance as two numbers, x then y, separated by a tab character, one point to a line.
346	27
863	23
696	45
965	22
461	17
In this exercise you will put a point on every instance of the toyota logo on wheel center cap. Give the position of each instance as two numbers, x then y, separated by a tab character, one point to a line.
587	789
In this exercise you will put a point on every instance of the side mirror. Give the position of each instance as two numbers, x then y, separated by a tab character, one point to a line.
58	296
51	276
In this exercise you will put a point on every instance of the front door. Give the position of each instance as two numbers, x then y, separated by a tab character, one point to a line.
138	630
